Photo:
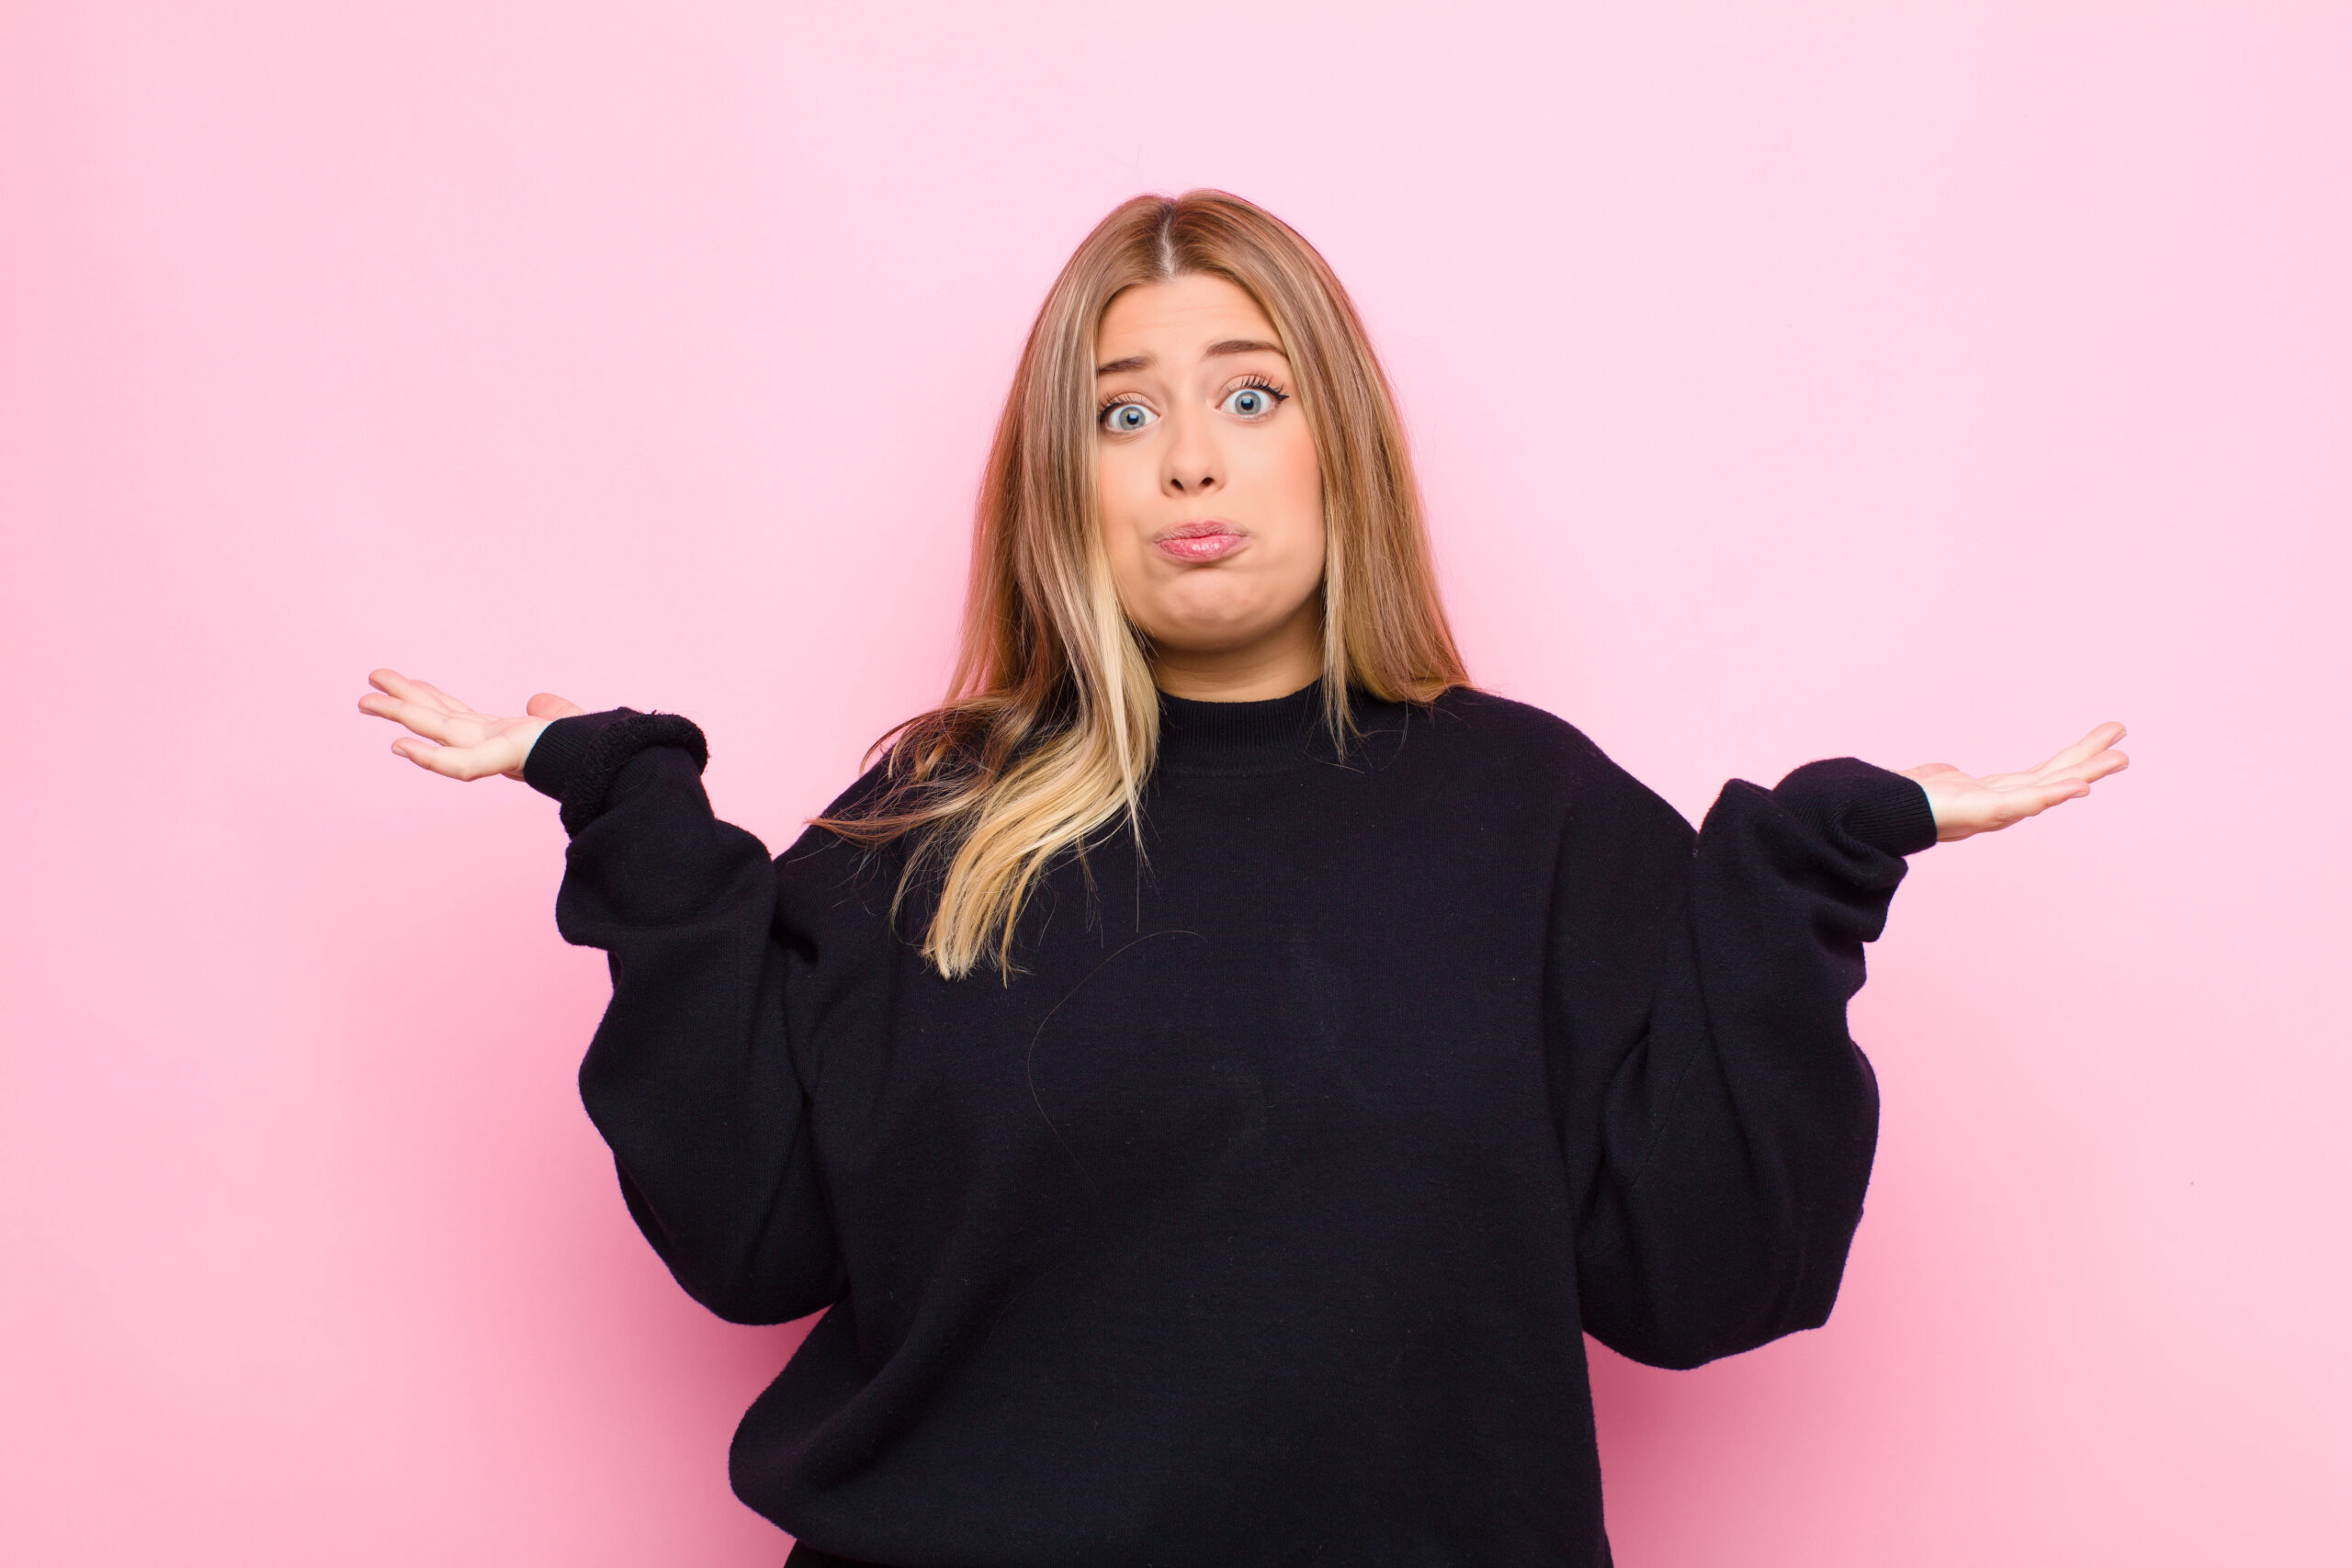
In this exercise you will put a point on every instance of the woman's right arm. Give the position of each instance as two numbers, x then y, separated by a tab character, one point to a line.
689	1077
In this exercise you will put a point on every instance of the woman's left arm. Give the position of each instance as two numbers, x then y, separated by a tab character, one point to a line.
1732	1117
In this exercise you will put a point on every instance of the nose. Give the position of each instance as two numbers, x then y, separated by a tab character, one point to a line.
1191	465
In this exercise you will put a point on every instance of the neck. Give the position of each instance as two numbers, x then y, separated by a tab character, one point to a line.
1273	666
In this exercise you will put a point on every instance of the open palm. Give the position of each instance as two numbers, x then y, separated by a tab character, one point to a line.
1965	805
452	739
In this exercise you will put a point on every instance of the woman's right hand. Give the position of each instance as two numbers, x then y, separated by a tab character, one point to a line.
456	741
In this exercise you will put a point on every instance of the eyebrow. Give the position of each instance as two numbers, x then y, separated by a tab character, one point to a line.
1230	345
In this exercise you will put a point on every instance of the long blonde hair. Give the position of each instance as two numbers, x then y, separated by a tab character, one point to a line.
1052	720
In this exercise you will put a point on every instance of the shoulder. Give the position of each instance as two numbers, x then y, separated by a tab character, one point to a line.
1491	720
826	873
1518	746
866	792
1480	728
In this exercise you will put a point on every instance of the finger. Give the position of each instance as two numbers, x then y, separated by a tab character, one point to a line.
449	761
546	704
408	689
2098	740
2093	769
423	692
2088	771
2036	799
431	723
447	702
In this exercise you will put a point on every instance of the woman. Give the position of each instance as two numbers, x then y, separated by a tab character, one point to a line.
1215	1068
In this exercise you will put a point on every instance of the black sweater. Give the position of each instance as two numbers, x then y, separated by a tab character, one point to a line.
1258	1221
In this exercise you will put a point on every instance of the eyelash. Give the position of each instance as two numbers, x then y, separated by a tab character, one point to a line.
1252	380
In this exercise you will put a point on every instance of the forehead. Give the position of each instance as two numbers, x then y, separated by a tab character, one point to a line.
1180	317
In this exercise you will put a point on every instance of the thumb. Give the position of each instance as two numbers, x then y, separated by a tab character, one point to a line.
546	704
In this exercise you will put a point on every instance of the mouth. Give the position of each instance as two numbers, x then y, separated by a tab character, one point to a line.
1209	539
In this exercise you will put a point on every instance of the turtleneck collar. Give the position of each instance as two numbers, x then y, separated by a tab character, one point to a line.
1243	738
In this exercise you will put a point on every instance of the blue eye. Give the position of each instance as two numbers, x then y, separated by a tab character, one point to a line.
1122	419
1251	401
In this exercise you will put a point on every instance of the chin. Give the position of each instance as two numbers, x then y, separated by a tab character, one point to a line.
1207	642
1212	623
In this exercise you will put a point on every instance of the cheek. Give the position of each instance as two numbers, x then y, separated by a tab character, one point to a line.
1298	479
1115	485
1125	491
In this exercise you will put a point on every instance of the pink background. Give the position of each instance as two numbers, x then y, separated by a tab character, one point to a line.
1924	381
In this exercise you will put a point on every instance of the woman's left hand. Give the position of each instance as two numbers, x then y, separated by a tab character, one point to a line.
1965	807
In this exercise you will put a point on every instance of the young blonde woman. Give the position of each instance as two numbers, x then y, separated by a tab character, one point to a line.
1213	1071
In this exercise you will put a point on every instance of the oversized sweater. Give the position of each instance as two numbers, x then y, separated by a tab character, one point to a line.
1259	1219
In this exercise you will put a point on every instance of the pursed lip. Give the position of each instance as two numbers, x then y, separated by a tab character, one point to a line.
1203	539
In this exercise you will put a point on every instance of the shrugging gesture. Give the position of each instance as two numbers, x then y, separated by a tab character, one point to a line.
1261	1210
450	739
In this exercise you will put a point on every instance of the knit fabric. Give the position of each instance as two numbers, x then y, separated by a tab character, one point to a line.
1259	1218
576	760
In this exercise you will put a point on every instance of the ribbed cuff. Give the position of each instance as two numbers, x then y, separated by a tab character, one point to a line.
1846	797
577	760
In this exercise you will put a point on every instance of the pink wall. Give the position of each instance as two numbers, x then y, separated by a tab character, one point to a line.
1919	381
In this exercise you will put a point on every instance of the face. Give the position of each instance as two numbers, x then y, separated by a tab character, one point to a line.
1211	497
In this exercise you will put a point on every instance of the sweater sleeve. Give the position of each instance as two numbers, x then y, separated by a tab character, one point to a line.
689	1077
1728	1119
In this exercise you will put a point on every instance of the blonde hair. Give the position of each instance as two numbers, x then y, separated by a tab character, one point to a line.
1052	720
